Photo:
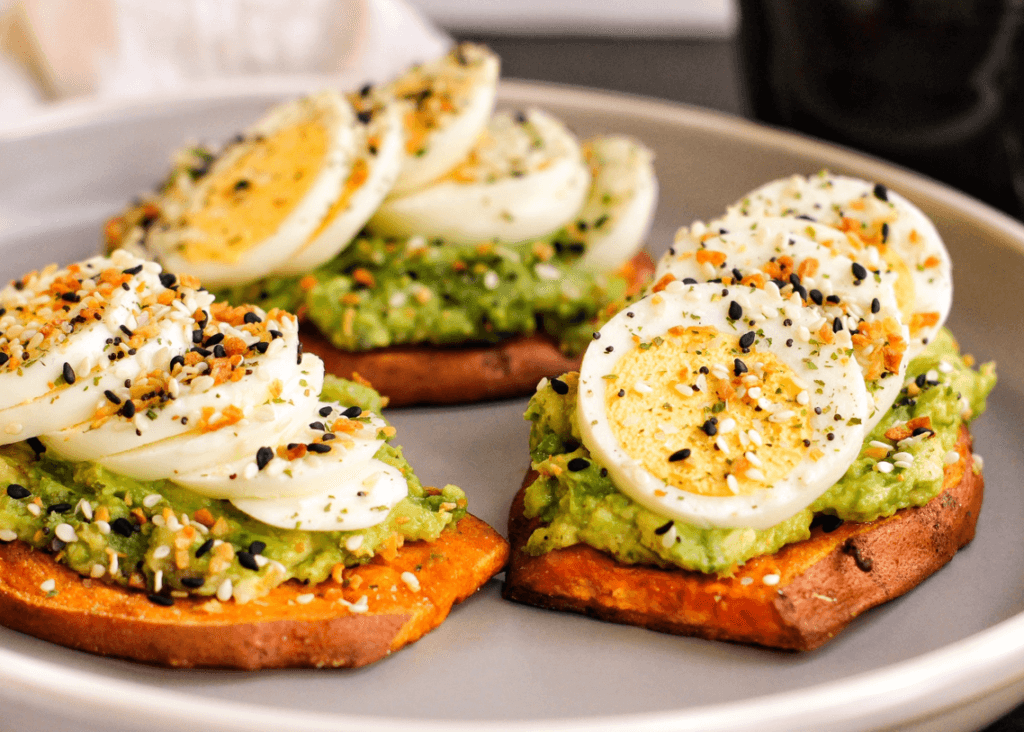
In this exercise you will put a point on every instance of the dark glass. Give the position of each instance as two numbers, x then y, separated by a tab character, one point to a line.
931	84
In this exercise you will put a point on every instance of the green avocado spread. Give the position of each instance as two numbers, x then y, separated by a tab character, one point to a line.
157	536
385	292
583	505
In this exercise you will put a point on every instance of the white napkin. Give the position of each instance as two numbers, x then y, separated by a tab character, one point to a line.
56	50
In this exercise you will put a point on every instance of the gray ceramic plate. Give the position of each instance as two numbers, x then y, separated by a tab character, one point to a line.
950	655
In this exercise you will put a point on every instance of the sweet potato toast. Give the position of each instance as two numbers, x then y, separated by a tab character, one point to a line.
424	374
293	626
796	599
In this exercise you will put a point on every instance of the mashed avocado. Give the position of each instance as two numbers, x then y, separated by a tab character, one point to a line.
579	503
385	292
155	535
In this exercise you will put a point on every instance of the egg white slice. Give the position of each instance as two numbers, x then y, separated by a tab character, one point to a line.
38	335
525	177
356	500
373	174
450	100
195	398
198	450
263	197
872	215
617	215
70	405
302	470
811	260
742	445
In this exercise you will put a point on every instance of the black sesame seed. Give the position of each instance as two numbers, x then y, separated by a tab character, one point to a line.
214	340
609	349
922	431
247	560
59	508
242	184
192	583
204	548
622	392
325	411
689	281
204	352
597	336
365	116
577	464
161	600
263	456
559	386
789	342
37	446
859	272
68	373
112	397
317	426
663	529
179	359
787	322
816	297
739	367
747	339
318	447
833	299
735	310
275	334
364	91
837	325
801	291
881	192
4	358
710	427
704	370
197	336
122	526
257	547
251	317
885	233
132	270
352	412
261	347
128	410
219	352
18	492
327	437
875	305
679	455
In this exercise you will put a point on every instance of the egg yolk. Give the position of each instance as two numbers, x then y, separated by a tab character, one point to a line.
356	179
677	406
247	201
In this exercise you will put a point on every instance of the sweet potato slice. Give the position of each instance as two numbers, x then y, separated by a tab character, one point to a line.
293	626
796	599
423	374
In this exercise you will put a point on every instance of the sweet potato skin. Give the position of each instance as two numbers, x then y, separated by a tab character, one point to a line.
823	583
275	631
423	374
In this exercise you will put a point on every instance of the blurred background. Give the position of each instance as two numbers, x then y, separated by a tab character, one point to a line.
931	84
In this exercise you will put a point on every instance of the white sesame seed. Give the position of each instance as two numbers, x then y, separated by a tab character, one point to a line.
803	398
547	271
902	464
669	537
754	392
173	524
728	425
353	542
951	457
747	581
945	367
764	403
782	415
491	279
8	535
97	571
755	437
753	459
103	526
411	580
34	509
904	456
158	520
932	375
771	579
261	561
881	445
730	480
66	533
701	382
642	387
720	371
86	508
883	467
803	333
720	443
684	389
755	474
161	551
158	580
151	500
225	590
48	586
305	599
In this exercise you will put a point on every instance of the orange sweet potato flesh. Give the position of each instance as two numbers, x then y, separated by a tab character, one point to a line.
423	374
276	631
824	582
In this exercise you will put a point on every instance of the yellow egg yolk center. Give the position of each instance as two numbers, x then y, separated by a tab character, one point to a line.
677	406
247	201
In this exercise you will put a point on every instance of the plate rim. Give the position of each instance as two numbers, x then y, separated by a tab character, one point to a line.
929	685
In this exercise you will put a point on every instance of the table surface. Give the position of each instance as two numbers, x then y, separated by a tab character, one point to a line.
703	73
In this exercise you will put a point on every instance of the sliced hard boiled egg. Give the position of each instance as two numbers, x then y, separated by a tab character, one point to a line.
233	370
717	420
303	461
379	157
872	215
803	262
450	100
619	209
525	178
263	197
346	499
